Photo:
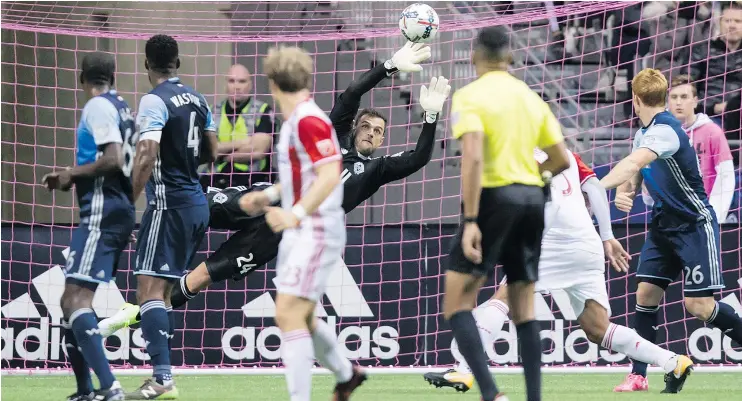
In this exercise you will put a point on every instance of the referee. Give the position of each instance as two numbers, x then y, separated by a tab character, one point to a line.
503	195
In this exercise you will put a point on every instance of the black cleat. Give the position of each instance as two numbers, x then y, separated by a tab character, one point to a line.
80	397
344	390
450	378
675	380
115	393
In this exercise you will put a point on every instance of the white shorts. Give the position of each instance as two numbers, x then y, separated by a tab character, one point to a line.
306	257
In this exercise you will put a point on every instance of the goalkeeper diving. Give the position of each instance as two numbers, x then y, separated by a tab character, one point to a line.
360	134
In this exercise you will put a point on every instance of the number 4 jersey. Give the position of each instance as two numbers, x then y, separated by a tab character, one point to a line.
175	116
105	202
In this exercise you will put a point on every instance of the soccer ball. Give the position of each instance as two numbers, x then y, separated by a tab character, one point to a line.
419	23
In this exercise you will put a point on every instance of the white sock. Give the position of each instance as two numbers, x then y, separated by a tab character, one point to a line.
327	352
626	341
296	354
490	317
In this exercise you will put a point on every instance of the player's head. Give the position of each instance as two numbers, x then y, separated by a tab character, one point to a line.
161	53
98	71
492	50
649	89
238	83
683	97
368	131
289	70
730	23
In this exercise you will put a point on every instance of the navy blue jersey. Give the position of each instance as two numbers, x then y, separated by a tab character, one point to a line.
105	202
176	116
674	178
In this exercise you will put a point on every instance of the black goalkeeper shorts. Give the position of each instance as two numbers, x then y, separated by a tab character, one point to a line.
245	251
511	219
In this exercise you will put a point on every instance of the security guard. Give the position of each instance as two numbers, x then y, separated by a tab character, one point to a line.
245	127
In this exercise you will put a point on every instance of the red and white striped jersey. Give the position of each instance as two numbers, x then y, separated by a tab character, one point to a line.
307	139
570	219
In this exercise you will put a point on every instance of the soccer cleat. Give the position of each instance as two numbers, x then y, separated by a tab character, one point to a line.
501	397
152	390
344	390
115	393
125	317
675	380
451	378
632	383
80	397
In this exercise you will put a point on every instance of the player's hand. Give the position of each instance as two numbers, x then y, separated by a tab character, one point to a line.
132	238
409	57
618	256
624	201
471	243
254	203
433	96
58	180
279	219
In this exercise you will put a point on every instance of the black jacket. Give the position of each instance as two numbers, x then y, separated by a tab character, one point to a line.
717	71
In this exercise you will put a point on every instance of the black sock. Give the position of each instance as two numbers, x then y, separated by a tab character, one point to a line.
724	318
530	347
181	294
470	345
645	322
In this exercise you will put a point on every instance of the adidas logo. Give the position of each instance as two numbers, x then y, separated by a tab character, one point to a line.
165	268
342	291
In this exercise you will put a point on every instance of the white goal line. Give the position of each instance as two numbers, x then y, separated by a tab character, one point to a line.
146	371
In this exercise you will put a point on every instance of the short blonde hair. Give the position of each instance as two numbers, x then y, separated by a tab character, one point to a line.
651	87
290	68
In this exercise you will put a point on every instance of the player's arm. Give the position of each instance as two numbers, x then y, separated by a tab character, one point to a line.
344	111
468	129
551	141
404	164
628	169
258	145
103	121
209	143
722	192
151	119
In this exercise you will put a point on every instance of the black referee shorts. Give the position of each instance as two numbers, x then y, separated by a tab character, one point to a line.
511	219
243	252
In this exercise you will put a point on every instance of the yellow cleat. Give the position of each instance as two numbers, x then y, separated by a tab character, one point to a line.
127	316
451	378
675	380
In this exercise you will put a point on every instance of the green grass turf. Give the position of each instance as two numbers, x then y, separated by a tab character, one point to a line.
581	387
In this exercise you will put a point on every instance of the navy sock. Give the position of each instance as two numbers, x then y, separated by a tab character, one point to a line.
530	346
470	345
645	321
171	322
156	331
724	318
77	360
85	326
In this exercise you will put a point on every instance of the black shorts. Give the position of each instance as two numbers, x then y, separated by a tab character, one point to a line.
245	251
511	219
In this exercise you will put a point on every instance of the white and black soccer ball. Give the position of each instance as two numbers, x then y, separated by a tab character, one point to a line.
419	23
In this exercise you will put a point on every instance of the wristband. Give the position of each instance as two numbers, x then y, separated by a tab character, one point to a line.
391	69
471	219
299	212
272	194
430	117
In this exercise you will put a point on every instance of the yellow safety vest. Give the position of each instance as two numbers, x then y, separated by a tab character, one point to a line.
226	132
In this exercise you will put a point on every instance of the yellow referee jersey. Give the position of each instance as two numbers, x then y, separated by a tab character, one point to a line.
514	120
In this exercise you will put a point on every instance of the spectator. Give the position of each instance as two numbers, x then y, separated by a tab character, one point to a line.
714	157
245	127
718	66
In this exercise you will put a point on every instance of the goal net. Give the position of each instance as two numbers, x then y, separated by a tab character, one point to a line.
385	301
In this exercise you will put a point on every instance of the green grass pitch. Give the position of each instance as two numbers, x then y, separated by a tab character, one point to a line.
402	387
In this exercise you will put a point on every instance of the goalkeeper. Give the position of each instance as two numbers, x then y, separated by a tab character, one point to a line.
255	244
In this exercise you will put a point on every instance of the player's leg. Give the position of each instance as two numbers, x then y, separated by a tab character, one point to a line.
91	261
654	273
490	317
520	259
590	302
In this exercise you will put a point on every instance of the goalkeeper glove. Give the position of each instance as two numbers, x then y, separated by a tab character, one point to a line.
408	58
433	97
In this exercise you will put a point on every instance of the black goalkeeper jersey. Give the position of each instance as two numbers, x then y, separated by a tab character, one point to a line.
363	176
224	207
